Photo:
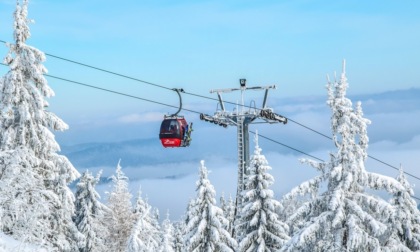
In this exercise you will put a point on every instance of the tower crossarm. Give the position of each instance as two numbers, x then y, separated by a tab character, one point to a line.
228	90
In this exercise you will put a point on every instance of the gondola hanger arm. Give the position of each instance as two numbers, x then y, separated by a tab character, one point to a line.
178	90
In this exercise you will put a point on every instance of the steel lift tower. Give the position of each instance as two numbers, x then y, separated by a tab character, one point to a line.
241	118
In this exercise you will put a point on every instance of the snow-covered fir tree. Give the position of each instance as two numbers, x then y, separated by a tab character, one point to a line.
120	217
289	207
179	228
147	225
90	213
228	207
344	217
205	230
406	222
36	203
223	203
168	240
135	242
259	227
156	226
191	211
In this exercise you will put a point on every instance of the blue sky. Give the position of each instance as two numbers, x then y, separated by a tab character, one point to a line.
202	45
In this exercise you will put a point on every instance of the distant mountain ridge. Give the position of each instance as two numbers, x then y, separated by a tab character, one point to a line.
391	101
132	152
149	151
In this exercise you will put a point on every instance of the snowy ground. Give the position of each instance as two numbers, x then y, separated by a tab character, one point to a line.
8	244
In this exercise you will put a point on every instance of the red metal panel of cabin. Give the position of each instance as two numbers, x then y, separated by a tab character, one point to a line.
170	142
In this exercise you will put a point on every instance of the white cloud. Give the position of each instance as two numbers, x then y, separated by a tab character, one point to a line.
395	139
396	126
141	118
295	108
409	159
387	145
369	102
174	194
170	186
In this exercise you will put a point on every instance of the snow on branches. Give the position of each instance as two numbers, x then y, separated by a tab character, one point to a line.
344	217
31	171
205	230
259	227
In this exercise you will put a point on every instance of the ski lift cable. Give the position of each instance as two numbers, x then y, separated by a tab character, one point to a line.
110	72
370	156
164	87
209	98
164	104
205	97
197	112
104	70
168	105
214	99
119	93
319	158
287	146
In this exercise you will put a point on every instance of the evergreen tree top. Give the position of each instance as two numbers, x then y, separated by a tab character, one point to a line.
28	150
345	217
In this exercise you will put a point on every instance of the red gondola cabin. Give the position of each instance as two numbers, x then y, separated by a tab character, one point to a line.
173	132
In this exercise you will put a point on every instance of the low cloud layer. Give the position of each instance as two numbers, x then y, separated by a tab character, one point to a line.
141	118
167	176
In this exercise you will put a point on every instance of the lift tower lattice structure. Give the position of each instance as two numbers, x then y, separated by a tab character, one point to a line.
242	118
